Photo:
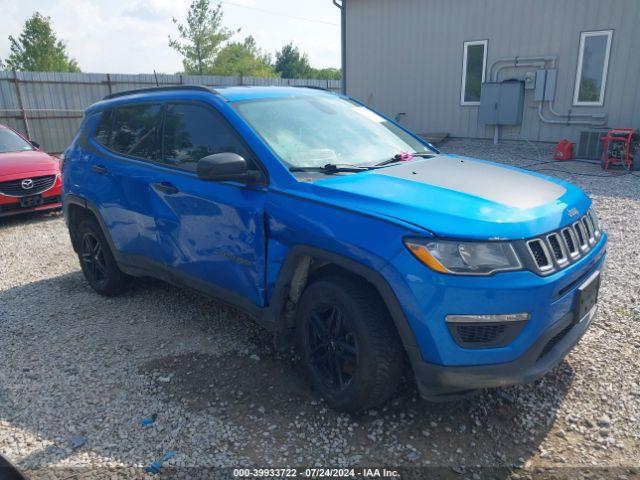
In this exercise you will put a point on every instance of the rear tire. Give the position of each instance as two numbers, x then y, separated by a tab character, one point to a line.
97	262
349	346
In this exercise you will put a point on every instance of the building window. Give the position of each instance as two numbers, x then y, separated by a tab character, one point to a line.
473	67
593	63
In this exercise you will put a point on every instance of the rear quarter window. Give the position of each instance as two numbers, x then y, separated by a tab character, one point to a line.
131	130
135	131
102	134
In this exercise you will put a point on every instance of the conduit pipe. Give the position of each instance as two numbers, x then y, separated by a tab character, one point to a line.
568	121
577	115
515	62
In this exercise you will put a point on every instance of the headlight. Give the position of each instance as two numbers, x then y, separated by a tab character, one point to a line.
465	258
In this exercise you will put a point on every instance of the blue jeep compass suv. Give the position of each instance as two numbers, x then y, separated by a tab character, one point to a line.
340	231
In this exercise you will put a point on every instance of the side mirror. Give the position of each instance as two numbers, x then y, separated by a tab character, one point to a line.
225	166
35	144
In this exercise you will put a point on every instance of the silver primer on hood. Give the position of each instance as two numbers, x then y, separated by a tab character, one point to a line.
484	180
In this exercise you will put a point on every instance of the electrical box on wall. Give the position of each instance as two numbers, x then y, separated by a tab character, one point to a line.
502	103
545	89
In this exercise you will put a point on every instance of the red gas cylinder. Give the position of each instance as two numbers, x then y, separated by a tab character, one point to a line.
563	150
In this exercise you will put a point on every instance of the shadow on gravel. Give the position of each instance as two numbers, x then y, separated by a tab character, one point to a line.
262	394
269	397
29	218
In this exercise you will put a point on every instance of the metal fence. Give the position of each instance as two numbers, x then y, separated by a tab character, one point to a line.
47	107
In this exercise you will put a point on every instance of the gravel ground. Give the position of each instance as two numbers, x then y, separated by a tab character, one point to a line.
78	372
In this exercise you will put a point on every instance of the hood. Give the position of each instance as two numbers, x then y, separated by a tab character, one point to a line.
31	161
460	197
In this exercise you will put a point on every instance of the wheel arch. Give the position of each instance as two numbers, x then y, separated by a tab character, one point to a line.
77	208
305	263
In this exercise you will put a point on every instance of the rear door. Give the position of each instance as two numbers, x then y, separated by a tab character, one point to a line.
212	233
121	174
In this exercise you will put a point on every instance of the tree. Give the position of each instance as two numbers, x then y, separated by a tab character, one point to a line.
291	63
38	50
243	59
202	37
327	74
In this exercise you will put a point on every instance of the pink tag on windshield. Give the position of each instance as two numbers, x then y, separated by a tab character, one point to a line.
405	156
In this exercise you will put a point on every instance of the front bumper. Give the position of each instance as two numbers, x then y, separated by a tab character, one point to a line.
51	199
445	367
437	382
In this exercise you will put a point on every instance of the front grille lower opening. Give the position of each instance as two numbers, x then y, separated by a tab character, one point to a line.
474	335
480	333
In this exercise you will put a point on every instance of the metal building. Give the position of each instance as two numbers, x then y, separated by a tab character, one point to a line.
540	69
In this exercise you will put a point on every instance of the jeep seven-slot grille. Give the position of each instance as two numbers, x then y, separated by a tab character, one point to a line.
567	235
557	249
582	239
538	250
27	186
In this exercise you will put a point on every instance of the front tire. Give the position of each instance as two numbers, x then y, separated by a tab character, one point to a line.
97	262
349	346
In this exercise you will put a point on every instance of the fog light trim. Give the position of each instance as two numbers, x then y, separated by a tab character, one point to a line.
492	318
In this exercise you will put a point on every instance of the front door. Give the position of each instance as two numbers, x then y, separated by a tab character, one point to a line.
212	233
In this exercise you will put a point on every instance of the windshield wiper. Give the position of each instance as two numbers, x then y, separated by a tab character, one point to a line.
402	157
333	168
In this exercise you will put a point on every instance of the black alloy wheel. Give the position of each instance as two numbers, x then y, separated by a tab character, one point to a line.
333	347
92	255
348	343
97	261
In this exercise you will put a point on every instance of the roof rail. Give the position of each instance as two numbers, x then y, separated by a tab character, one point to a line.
200	88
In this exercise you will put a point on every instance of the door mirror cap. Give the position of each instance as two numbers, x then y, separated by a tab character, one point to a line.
226	166
35	144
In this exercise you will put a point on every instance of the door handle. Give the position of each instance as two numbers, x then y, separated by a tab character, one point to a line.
166	187
101	169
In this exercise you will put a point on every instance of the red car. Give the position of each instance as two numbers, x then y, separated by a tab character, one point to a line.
29	178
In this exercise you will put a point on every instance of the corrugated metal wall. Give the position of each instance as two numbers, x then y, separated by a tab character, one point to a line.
53	103
406	56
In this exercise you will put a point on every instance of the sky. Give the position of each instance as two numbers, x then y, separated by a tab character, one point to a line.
131	36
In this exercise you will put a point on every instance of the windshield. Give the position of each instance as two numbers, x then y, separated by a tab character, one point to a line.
10	141
315	131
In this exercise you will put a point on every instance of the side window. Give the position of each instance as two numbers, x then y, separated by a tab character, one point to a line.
135	131
473	68
103	132
593	63
192	132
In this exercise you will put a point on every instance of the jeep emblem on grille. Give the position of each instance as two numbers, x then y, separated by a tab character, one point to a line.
573	212
27	184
